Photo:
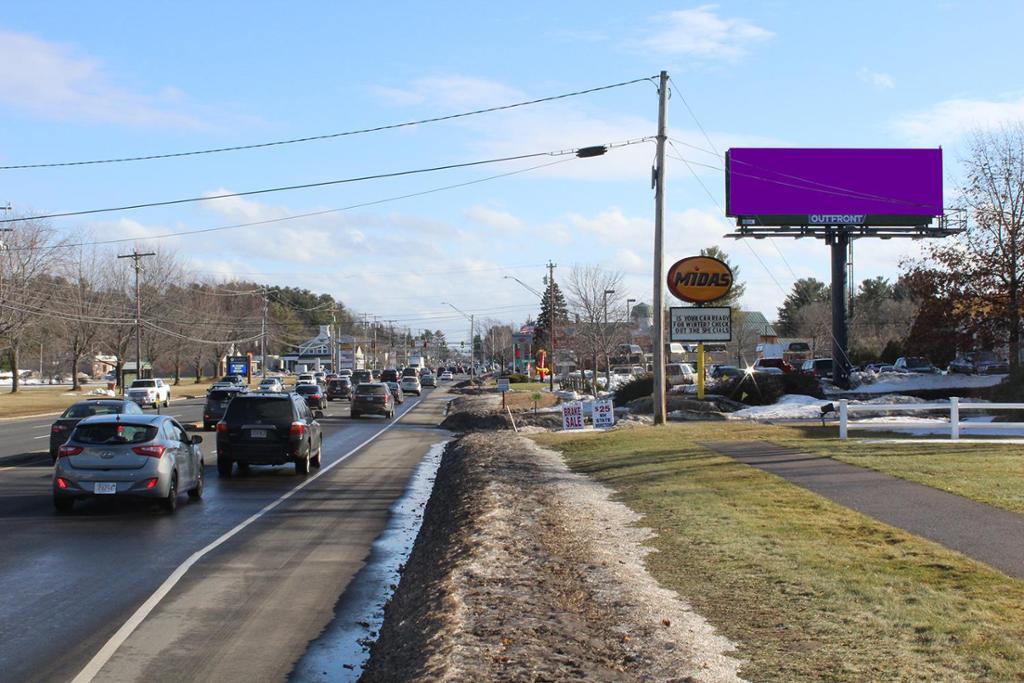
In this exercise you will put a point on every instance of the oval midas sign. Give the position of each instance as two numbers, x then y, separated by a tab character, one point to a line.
699	279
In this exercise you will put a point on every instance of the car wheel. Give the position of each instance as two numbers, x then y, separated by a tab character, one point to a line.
224	466
302	464
63	504
319	452
167	401
355	414
243	468
207	426
196	492
170	503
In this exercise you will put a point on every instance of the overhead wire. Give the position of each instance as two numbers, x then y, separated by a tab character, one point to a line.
328	136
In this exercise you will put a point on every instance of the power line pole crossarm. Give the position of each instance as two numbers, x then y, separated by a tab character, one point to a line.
137	257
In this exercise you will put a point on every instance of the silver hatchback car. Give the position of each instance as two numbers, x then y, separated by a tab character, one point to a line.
133	456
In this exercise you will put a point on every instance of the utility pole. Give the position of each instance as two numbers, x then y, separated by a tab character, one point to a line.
263	337
605	337
137	257
659	257
551	322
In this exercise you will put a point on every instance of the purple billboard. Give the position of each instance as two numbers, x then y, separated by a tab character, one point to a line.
788	186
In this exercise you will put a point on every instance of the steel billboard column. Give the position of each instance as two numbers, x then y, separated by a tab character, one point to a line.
659	257
839	243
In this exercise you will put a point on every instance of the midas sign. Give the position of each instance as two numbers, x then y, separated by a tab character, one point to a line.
699	279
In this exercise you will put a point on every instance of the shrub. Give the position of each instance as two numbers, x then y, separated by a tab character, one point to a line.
638	387
799	383
516	377
1010	390
754	389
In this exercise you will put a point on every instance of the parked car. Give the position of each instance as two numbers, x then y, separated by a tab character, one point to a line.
427	379
61	429
817	367
389	375
914	364
680	373
725	371
271	384
779	363
372	398
268	428
360	376
396	391
217	401
152	392
339	387
237	380
131	456
314	394
877	366
979	363
411	385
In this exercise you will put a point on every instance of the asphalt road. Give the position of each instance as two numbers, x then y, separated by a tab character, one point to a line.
243	611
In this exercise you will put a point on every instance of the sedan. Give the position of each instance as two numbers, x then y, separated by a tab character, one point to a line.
65	424
271	384
314	394
129	456
446	376
411	385
396	391
427	380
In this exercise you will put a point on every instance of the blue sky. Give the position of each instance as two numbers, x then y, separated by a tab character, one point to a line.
97	80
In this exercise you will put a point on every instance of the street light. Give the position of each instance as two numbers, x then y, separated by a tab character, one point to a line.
472	328
534	291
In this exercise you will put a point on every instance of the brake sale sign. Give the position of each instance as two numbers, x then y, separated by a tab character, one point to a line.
572	415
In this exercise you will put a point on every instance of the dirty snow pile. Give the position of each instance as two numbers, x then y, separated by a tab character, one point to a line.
895	382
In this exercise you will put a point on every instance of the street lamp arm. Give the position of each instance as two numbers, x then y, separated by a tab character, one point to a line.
534	291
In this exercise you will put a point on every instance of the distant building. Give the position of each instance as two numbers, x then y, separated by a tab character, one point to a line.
312	353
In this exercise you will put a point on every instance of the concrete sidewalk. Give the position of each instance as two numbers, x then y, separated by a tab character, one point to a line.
982	532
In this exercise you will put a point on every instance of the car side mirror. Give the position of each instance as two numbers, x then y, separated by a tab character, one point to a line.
196	439
317	414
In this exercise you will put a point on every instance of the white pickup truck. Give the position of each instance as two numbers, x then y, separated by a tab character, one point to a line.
154	392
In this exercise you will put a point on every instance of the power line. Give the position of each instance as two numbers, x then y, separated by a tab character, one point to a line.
328	136
288	188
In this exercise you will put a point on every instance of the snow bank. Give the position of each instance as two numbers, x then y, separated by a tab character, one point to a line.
895	382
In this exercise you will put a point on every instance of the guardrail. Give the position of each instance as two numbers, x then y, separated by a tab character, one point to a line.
954	406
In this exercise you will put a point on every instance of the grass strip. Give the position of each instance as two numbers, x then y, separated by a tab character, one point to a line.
809	590
41	400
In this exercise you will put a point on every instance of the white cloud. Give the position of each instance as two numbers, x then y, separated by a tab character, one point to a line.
950	119
492	218
451	90
876	78
700	32
51	80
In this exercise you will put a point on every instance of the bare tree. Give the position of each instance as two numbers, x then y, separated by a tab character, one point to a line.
593	291
82	305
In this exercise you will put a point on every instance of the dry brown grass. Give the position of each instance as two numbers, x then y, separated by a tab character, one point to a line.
45	400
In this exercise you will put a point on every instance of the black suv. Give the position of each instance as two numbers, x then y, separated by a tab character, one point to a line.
217	402
360	376
390	375
314	394
268	429
339	387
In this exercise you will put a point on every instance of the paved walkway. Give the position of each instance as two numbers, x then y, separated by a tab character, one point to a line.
982	532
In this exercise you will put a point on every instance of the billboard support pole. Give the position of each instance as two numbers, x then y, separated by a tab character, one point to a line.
840	243
659	257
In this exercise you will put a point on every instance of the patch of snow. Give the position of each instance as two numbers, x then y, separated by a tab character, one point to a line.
789	407
895	382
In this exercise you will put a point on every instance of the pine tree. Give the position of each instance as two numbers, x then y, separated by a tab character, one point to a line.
738	288
541	331
805	291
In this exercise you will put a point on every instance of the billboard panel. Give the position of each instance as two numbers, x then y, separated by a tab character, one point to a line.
789	186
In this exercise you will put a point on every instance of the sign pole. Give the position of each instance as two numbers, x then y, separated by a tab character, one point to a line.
659	259
700	371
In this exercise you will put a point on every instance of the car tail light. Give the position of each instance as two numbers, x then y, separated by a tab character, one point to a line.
222	427
317	396
56	429
65	451
62	483
151	483
298	429
151	451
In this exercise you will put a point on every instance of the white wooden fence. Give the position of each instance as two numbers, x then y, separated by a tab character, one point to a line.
954	406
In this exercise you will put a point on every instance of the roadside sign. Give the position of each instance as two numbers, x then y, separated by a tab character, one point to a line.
503	385
604	413
700	324
572	415
699	279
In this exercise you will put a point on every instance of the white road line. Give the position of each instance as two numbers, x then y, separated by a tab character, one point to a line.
44	436
99	660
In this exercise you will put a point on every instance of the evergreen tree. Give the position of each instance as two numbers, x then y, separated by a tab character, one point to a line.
805	291
738	288
542	330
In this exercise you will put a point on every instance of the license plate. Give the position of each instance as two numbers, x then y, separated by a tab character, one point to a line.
104	487
258	433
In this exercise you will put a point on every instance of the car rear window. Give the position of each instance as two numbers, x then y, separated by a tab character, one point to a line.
253	409
143	383
307	389
114	433
82	410
370	389
339	383
221	395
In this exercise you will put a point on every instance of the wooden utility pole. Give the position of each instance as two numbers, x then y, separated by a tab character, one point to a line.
551	321
137	257
659	257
